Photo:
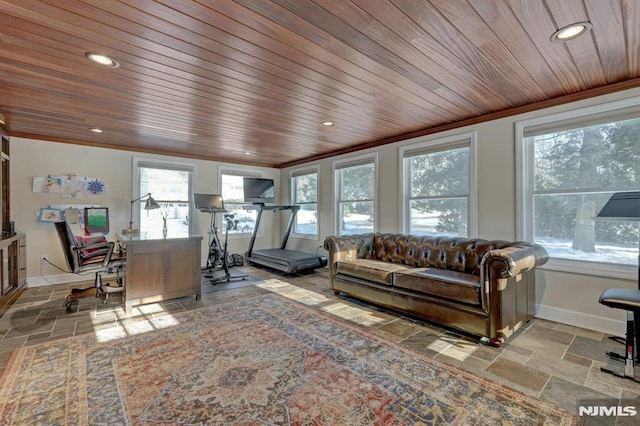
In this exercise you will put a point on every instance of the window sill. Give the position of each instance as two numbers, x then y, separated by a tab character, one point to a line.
306	236
235	236
608	270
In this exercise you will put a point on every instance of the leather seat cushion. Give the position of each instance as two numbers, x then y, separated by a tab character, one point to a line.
452	285
370	270
621	298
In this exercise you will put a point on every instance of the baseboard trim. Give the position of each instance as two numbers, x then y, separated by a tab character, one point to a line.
580	319
58	279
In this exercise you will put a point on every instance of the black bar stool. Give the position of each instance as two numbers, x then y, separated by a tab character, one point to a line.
629	300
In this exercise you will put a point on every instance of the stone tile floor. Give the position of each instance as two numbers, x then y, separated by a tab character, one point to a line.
555	362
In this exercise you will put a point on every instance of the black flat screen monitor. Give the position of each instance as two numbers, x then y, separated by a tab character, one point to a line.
96	220
209	202
258	190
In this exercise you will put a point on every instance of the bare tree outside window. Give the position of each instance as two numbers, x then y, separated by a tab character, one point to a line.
356	197
305	194
575	172
438	192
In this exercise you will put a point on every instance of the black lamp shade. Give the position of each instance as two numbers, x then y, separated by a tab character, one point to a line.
151	204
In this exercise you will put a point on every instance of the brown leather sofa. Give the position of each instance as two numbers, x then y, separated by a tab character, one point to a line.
480	287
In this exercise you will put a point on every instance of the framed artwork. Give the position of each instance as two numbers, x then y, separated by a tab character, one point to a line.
49	215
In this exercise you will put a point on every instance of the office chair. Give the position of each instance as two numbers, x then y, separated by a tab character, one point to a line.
98	257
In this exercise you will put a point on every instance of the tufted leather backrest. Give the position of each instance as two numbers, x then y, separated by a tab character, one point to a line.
453	253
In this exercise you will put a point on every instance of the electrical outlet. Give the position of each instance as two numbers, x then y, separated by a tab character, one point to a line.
43	259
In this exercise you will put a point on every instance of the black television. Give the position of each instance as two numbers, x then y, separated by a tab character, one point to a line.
259	190
96	219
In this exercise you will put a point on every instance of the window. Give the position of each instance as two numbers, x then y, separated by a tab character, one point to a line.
304	193
170	185
437	181
571	165
233	196
355	181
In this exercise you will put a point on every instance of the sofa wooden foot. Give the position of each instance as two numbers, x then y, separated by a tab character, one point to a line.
336	292
496	343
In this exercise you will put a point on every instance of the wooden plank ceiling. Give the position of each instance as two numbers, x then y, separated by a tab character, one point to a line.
251	81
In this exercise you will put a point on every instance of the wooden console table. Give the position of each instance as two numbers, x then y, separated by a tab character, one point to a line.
160	268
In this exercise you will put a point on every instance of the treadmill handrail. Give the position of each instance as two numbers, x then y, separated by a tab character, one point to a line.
285	237
260	206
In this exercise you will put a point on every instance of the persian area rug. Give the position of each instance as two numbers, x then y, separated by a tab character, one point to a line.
265	360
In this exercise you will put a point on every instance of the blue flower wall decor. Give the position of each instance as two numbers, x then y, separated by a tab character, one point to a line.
95	187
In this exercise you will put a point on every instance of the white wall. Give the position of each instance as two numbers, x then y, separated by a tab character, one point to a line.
561	296
31	158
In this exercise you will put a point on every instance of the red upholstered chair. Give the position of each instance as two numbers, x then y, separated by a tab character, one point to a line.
90	255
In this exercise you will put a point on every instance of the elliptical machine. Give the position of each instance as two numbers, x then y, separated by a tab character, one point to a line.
218	258
216	255
231	224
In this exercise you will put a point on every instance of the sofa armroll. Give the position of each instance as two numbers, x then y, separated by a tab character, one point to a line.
517	258
508	287
348	247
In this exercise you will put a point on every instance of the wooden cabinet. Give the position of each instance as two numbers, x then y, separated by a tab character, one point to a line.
5	184
13	275
21	262
159	269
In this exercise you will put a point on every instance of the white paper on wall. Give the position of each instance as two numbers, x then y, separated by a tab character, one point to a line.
94	186
47	184
73	187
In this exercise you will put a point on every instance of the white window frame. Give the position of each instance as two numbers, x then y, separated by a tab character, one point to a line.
236	172
525	184
353	161
139	162
304	172
437	145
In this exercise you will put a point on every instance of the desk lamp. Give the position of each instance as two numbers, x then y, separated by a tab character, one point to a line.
150	204
623	206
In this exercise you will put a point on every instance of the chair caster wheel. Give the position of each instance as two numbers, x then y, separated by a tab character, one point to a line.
68	305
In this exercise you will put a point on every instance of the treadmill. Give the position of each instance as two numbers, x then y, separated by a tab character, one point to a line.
282	259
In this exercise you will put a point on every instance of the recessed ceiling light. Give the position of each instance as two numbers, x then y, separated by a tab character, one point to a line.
570	32
328	123
247	153
95	130
102	60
